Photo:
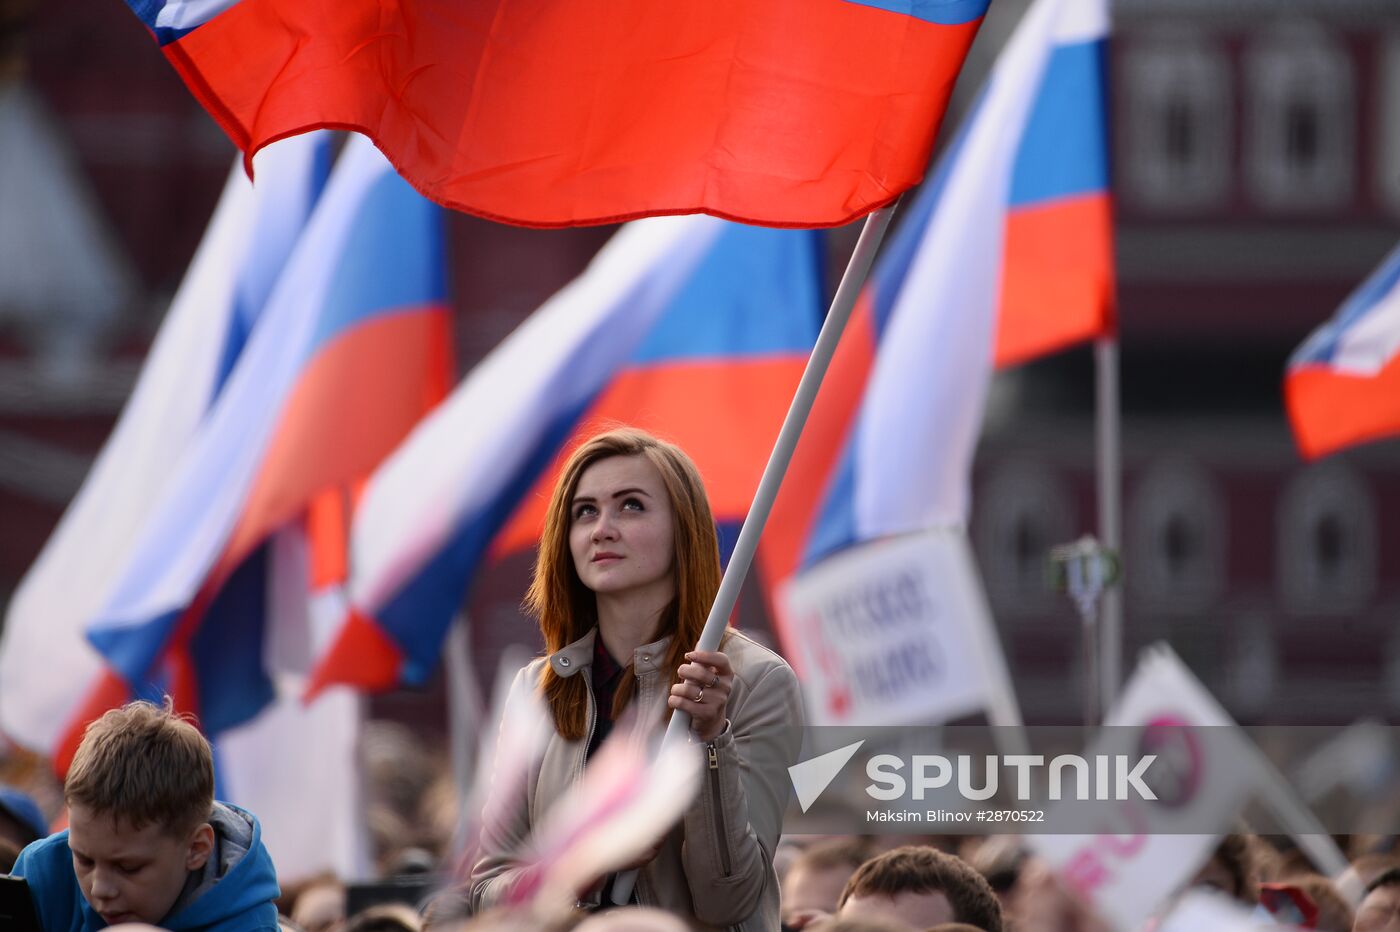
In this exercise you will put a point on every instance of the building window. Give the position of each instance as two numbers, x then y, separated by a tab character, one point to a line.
1176	538
1300	111
1326	542
1175	111
1388	122
1023	509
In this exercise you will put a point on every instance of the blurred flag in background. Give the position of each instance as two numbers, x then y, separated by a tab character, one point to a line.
311	333
1343	384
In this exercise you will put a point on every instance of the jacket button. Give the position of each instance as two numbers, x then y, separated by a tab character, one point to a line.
563	661
646	658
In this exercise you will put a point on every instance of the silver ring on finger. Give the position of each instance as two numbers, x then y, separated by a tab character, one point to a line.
699	696
713	682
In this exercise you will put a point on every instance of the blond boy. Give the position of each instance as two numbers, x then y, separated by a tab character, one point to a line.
146	841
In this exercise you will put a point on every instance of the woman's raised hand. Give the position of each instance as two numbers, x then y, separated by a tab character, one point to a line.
706	679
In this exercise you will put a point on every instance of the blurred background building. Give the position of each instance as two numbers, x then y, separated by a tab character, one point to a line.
1257	160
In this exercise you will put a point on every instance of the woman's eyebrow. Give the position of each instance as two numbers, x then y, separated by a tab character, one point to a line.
618	494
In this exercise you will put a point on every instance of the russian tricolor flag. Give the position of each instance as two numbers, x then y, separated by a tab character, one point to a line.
51	679
1006	254
691	326
1343	383
1057	279
569	112
349	353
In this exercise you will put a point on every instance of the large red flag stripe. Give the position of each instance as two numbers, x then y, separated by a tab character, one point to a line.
782	112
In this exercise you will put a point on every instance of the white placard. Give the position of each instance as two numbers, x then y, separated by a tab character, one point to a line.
1130	867
893	632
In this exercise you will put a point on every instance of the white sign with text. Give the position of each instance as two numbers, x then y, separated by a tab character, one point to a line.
892	632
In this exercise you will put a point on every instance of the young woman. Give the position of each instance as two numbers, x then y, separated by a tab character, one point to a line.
627	570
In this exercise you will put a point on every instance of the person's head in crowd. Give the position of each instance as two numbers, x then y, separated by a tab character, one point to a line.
642	919
1379	910
320	907
998	858
1333	913
1267	861
1038	900
388	917
1366	868
811	889
143	834
499	919
410	862
1231	870
21	819
445	909
9	853
920	887
399	771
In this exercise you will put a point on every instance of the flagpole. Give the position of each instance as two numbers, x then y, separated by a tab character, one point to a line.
844	302
464	712
1108	416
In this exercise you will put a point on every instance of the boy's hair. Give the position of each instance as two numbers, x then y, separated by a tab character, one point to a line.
143	764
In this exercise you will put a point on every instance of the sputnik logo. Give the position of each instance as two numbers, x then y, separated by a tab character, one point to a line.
811	777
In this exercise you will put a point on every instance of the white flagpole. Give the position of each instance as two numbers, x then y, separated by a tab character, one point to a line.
857	269
1108	418
464	705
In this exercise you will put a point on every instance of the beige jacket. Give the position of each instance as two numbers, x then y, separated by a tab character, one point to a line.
716	865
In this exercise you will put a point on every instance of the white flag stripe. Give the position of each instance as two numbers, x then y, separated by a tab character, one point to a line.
204	498
1373	341
46	662
935	356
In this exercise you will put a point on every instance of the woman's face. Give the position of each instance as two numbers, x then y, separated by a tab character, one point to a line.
621	531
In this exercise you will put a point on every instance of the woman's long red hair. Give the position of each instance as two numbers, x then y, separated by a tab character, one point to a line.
567	609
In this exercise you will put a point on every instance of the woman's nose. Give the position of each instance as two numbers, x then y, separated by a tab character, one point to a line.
603	527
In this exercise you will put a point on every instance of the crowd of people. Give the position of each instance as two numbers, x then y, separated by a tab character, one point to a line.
627	570
147	846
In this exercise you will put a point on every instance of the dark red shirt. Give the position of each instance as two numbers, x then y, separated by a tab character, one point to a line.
605	676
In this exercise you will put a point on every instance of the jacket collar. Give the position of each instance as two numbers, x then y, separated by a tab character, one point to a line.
577	656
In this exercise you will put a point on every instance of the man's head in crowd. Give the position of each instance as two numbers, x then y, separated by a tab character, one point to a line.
641	919
921	887
812	887
139	793
390	917
1231	871
321	906
1380	907
1366	868
21	820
